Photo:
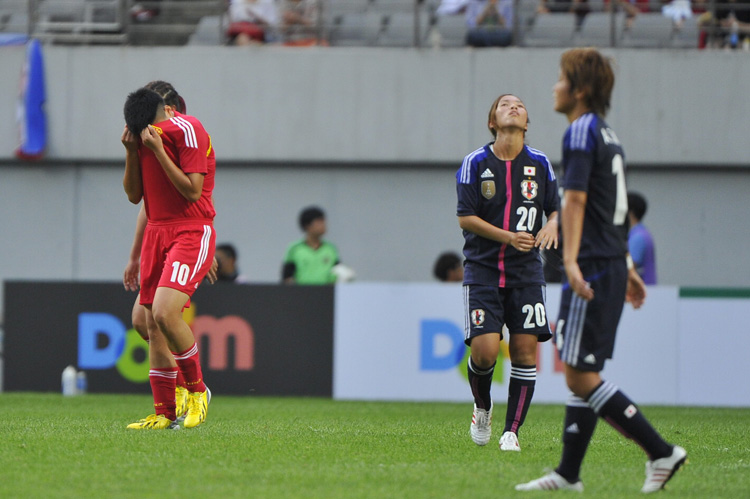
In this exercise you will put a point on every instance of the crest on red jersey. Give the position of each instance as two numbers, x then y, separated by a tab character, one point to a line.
529	189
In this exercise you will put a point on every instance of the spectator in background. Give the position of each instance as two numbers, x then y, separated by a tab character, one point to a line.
311	260
252	21
449	267
490	23
226	256
299	22
640	242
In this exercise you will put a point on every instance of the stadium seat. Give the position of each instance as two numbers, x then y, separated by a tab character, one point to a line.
208	32
357	29
686	36
399	30
650	30
452	30
596	30
551	30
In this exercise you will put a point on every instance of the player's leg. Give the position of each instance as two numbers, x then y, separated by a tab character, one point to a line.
138	318
181	347
522	348
140	324
482	310
480	369
162	377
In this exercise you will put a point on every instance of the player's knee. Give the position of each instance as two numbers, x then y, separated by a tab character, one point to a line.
139	324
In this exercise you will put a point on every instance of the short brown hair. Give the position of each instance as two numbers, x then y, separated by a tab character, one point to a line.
589	71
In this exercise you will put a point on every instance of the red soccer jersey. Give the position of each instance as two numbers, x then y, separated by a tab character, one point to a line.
189	147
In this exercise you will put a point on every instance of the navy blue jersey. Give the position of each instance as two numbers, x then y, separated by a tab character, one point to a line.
514	196
594	162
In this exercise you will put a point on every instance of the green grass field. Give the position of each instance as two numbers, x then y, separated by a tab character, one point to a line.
51	446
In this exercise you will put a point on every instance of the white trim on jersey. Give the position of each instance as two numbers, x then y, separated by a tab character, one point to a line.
190	139
203	252
537	152
579	132
465	166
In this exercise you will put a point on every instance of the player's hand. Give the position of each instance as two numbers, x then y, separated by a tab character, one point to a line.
212	272
577	283
129	140
130	276
151	138
547	236
635	293
522	241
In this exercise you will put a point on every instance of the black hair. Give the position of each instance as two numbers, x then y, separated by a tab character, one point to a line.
637	205
169	94
309	215
228	249
140	109
446	262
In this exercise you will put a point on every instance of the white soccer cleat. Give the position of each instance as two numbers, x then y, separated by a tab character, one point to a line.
481	425
551	481
659	471
509	441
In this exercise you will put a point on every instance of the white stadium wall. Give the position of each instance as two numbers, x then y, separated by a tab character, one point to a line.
405	342
375	137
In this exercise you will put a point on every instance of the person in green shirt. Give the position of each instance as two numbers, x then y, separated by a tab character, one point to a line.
311	260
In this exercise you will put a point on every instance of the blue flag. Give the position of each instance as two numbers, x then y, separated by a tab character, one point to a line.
32	122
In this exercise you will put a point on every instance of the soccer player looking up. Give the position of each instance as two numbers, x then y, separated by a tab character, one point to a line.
599	277
173	172
504	190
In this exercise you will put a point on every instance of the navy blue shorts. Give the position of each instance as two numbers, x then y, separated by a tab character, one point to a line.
488	308
585	332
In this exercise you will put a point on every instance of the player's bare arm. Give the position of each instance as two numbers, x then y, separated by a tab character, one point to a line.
190	185
131	181
522	241
574	207
133	267
635	293
547	236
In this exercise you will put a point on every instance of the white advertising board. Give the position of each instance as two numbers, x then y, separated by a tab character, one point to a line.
404	341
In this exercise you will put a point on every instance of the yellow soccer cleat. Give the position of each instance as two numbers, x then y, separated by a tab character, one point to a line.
154	422
181	398
197	408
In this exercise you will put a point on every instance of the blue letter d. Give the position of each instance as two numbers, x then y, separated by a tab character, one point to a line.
90	325
440	330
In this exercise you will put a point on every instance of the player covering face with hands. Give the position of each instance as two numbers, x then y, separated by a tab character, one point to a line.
172	170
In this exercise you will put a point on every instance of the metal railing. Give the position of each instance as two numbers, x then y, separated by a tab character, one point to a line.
389	23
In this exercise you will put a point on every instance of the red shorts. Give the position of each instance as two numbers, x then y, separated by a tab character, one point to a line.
175	255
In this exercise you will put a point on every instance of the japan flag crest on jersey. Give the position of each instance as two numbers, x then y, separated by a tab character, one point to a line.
529	189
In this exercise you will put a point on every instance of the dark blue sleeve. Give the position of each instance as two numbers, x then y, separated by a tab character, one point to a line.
466	190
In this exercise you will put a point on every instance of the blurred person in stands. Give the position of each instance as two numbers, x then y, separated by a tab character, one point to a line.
252	22
449	267
490	23
504	190
640	241
226	256
299	22
312	259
